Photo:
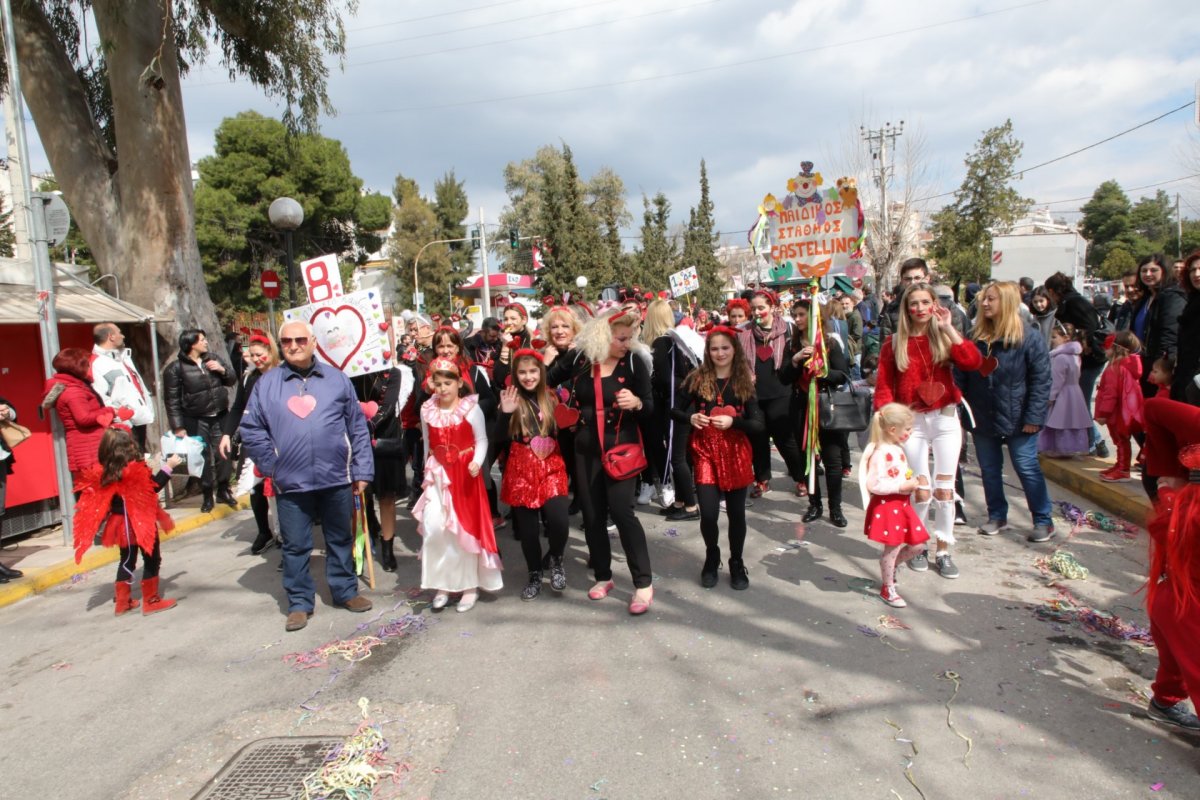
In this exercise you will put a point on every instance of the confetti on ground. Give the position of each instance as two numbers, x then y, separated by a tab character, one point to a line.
1157	787
867	630
864	586
357	648
253	655
888	621
672	532
80	577
954	676
1066	608
595	787
353	768
1064	564
908	759
1094	520
60	666
792	545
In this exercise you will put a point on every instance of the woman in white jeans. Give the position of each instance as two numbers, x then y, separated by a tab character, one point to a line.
915	369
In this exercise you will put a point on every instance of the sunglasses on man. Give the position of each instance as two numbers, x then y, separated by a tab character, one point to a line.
288	341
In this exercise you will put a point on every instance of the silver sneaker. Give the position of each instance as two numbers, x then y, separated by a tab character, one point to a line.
945	566
992	527
1041	533
919	563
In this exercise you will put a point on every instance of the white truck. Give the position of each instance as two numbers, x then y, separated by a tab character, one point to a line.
1038	256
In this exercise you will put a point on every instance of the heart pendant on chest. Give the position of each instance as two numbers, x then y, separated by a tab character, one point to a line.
764	352
543	446
302	405
930	392
988	366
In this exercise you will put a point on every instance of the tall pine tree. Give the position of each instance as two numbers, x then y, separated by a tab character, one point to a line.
416	224
574	246
699	246
659	254
451	207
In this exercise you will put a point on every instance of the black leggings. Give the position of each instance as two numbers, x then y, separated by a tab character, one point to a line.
778	419
602	497
553	514
710	498
128	563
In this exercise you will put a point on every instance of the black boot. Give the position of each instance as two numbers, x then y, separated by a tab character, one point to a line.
387	555
10	573
206	505
262	542
558	575
712	563
225	496
738	578
814	510
534	588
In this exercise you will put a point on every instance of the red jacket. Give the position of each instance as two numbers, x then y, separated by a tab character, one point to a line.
894	386
1119	397
84	417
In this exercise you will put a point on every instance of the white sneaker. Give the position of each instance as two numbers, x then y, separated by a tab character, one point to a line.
646	494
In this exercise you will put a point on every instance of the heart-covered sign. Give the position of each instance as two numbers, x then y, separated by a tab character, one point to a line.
988	366
543	446
302	405
565	416
930	392
370	408
340	333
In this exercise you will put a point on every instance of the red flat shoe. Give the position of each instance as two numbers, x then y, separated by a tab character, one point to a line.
600	590
638	607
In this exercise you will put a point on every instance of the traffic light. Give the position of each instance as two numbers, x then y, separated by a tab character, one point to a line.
474	238
514	238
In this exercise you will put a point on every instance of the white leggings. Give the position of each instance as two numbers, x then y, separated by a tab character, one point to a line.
941	431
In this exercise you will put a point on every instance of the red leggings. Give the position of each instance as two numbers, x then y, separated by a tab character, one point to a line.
1178	642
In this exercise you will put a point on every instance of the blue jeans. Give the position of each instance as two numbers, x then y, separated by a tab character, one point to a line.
1088	375
1022	449
298	512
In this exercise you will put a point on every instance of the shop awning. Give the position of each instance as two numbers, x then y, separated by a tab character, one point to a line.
500	280
75	302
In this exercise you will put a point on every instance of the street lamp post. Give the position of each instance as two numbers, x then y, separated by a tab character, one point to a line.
287	215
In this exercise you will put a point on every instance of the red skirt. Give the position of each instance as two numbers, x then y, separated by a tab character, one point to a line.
721	458
529	481
892	520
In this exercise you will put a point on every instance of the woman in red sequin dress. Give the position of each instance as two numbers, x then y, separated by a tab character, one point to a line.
458	551
535	477
718	400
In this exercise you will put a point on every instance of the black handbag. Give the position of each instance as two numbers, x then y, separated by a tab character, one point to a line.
844	410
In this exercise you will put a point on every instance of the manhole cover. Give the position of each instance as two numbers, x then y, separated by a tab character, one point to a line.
270	769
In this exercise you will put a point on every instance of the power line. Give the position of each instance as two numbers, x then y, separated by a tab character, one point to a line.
1072	153
1130	189
701	70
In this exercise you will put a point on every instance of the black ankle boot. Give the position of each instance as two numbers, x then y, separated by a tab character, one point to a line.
225	496
837	517
738	578
535	586
558	575
387	555
263	541
206	505
814	510
712	563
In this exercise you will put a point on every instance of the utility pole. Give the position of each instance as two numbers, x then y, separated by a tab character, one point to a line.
487	289
878	141
1178	228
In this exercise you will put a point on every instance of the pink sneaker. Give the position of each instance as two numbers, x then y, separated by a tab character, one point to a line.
892	597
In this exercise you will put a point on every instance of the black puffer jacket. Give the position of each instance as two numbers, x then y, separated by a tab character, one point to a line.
1187	352
193	391
1162	330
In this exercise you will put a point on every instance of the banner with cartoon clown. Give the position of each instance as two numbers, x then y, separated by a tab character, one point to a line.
813	231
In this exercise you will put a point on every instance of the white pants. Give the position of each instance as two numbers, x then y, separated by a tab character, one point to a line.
941	431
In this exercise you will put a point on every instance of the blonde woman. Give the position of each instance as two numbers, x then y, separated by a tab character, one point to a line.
1009	405
606	355
673	359
914	369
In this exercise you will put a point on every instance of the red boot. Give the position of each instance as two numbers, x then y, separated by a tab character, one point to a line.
124	601
151	602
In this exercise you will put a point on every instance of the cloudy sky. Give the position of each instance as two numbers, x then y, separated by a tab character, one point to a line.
650	87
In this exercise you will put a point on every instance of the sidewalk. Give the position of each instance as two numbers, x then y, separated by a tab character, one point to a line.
47	561
1127	500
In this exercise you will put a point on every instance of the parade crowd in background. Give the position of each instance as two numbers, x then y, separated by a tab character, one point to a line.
644	403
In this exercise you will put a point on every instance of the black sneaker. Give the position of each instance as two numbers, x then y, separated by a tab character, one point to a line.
1176	715
708	573
738	578
945	566
1101	449
534	588
558	575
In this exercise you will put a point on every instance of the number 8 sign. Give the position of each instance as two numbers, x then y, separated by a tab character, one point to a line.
322	278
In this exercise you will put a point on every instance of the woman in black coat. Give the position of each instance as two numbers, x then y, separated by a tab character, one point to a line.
1187	353
1156	317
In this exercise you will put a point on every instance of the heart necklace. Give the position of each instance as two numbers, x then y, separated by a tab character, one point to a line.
929	390
303	403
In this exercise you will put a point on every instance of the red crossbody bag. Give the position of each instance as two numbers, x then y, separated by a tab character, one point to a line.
624	461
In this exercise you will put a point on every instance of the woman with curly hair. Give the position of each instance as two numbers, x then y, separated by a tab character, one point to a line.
612	388
717	400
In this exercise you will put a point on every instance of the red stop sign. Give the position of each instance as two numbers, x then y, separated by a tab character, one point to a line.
270	284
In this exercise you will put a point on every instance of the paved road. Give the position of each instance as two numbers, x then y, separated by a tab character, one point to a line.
785	689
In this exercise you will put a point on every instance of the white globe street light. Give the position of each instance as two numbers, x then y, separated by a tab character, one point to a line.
287	215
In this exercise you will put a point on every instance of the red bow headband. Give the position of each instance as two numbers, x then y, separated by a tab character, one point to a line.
770	296
528	352
520	309
724	330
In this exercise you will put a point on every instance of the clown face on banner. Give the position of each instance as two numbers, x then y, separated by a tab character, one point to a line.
351	332
813	230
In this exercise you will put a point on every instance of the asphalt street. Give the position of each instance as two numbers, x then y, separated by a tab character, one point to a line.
797	686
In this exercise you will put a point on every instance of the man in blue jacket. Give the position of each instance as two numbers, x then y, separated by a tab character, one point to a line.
305	430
